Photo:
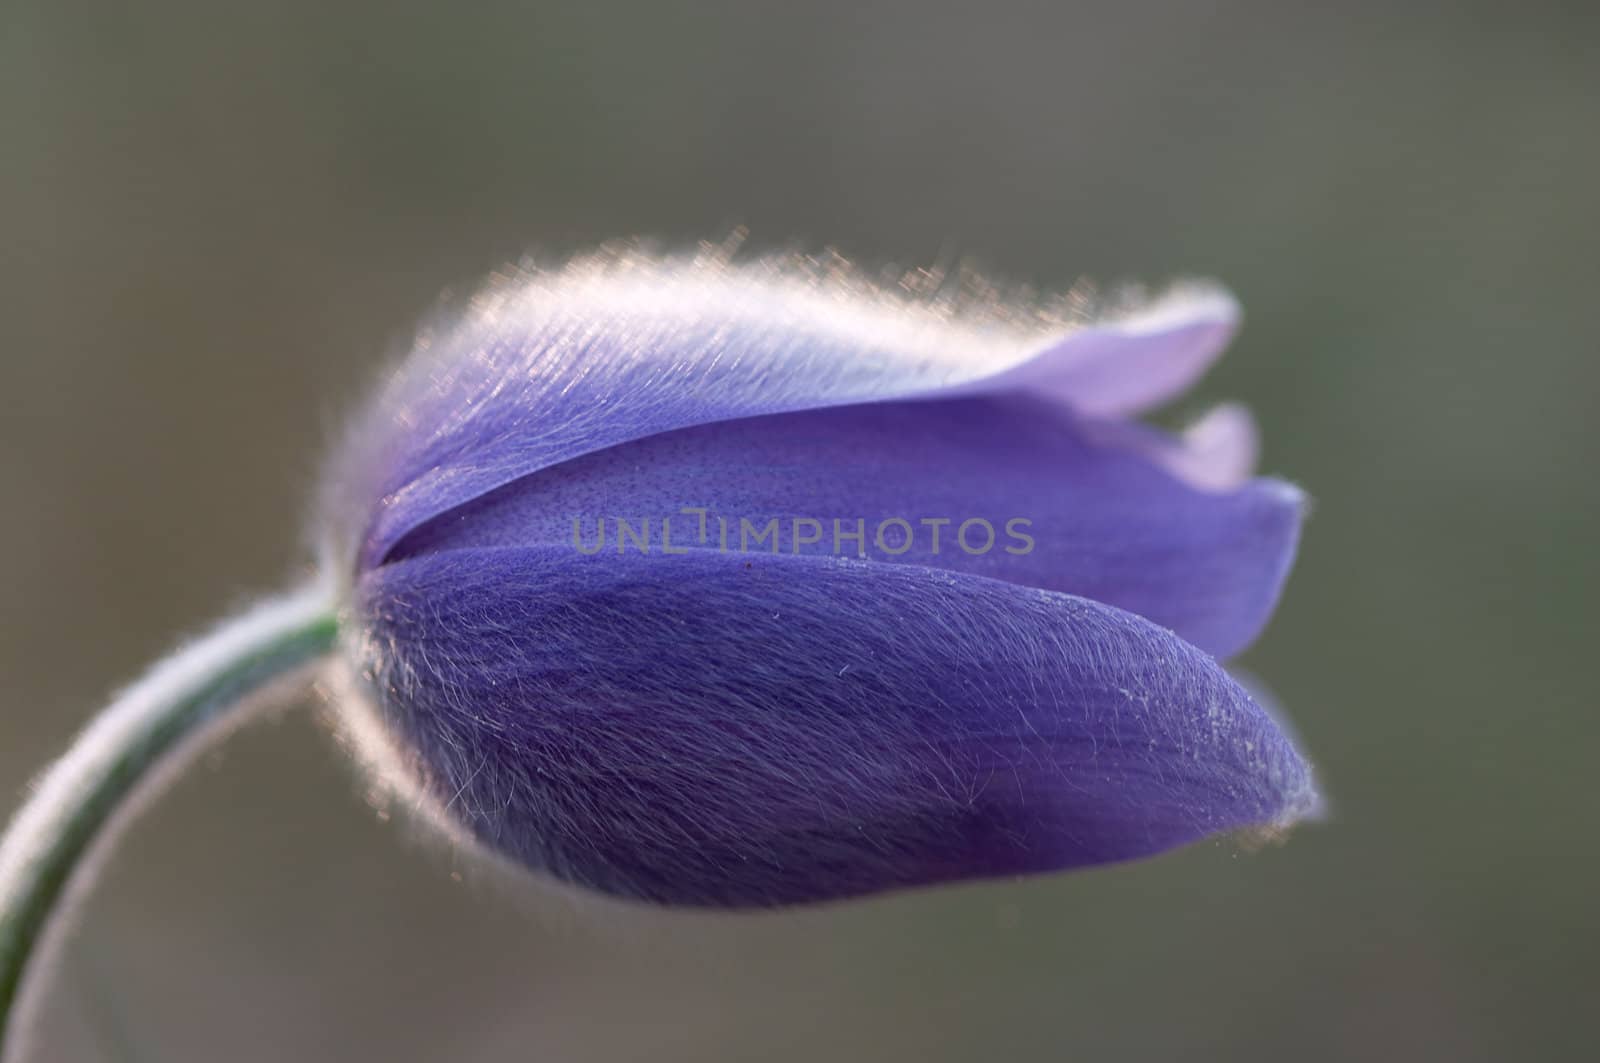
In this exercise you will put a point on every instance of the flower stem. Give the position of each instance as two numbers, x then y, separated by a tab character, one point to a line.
70	817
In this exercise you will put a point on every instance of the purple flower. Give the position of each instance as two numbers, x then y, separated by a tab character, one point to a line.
746	586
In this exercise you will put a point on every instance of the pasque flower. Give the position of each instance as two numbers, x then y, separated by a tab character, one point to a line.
897	594
967	621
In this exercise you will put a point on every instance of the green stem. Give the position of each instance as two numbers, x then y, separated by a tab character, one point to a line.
70	818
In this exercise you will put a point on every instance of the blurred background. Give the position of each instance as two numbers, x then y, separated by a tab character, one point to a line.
219	220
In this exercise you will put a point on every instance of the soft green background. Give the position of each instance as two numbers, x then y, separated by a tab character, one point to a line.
219	219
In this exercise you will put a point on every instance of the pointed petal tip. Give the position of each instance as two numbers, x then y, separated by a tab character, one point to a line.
1290	501
1302	805
1188	303
1219	451
1138	356
1288	493
1303	801
1294	495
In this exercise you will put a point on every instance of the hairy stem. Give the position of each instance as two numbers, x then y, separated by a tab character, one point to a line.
71	816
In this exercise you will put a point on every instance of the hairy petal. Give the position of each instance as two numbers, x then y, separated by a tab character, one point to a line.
1009	487
560	365
742	731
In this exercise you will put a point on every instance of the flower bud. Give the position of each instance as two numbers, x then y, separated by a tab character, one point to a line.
745	585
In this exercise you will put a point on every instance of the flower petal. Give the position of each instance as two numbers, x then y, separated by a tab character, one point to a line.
1009	487
740	731
1221	449
1216	453
565	364
1131	365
